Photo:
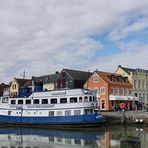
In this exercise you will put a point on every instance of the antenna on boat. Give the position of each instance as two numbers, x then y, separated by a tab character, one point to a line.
24	74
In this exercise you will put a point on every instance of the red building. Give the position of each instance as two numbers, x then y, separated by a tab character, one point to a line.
112	90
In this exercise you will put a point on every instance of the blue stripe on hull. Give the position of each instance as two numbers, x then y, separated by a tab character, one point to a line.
79	119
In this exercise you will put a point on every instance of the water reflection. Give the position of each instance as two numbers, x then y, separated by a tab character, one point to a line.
116	137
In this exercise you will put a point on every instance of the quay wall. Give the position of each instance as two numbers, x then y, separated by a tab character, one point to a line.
126	117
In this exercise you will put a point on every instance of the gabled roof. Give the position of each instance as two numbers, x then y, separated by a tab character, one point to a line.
112	78
77	74
52	78
23	82
128	70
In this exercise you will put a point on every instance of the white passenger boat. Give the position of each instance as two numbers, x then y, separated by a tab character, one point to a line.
71	107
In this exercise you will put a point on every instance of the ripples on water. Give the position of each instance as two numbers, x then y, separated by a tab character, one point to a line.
112	137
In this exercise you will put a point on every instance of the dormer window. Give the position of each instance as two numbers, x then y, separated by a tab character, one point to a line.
95	78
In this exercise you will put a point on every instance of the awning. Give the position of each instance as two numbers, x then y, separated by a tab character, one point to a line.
122	98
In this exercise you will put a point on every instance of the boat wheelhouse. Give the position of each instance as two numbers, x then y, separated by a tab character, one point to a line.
52	108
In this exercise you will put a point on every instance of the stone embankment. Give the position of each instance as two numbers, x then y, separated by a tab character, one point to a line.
126	117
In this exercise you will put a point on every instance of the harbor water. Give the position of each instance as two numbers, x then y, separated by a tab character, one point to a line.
102	137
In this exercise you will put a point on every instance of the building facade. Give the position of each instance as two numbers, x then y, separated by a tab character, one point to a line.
20	87
72	78
112	90
45	82
139	79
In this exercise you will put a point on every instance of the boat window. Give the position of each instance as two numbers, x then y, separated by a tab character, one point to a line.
77	112
13	101
94	99
53	101
51	139
51	113
90	98
28	101
9	112
20	101
80	99
88	111
44	101
59	113
85	99
77	141
68	141
63	100
67	112
73	99
36	101
5	100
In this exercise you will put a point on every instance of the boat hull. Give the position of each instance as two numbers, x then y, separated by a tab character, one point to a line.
59	121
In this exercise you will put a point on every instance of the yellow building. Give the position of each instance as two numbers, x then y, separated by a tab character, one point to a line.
139	79
16	84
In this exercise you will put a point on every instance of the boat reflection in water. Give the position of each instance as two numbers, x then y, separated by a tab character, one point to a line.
103	137
44	138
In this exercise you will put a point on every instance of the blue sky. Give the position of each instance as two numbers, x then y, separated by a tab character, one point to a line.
42	37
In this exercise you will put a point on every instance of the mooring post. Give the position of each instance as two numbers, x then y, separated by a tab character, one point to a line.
123	116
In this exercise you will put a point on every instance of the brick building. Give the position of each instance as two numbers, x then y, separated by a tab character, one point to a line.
112	89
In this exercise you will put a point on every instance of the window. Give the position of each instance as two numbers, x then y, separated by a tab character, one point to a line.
51	113
44	101
122	91
9	112
94	99
143	97
59	113
53	101
117	91
73	99
112	91
85	99
95	78
103	104
80	99
88	111
36	101
102	90
28	101
13	101
139	84
90	98
63	100
135	83
77	112
147	85
126	91
67	112
5	100
20	101
143	83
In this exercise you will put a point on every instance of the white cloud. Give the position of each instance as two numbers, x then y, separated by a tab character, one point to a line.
43	36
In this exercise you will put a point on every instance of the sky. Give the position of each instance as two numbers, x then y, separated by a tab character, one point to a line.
44	36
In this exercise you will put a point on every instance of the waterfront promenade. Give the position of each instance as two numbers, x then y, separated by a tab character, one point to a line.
137	116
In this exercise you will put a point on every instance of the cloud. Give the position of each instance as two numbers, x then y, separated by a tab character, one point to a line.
42	37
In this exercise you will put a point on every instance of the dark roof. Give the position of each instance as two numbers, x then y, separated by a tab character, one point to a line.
112	78
46	78
23	82
128	70
77	74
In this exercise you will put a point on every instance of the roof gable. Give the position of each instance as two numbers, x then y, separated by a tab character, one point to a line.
112	78
77	74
